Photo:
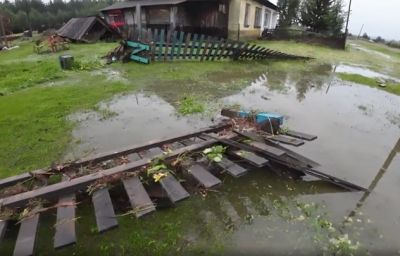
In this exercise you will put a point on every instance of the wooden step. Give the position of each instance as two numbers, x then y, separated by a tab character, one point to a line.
232	168
204	177
26	236
251	158
174	189
300	135
287	140
65	226
3	227
140	200
151	153
272	150
104	211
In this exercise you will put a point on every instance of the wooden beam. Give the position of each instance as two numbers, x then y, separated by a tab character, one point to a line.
204	177
104	210
174	189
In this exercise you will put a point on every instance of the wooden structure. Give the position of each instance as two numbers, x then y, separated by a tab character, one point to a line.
161	45
260	153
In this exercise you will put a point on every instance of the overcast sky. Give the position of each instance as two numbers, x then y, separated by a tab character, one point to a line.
380	17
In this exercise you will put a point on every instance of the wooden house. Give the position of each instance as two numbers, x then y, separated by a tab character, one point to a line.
235	19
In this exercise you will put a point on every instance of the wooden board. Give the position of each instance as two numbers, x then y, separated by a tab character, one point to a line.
204	177
232	168
65	225
138	197
104	211
152	152
287	140
301	135
251	158
26	236
3	227
272	150
174	189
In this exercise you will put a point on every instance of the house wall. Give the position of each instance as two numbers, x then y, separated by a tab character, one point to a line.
236	27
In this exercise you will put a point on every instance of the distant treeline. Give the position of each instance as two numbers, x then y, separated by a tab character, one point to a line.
379	39
36	15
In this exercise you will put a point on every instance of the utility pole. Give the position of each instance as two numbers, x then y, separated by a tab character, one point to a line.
347	24
3	31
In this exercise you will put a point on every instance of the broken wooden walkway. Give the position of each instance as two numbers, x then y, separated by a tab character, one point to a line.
115	167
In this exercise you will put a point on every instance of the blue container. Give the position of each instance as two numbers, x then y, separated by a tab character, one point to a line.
262	116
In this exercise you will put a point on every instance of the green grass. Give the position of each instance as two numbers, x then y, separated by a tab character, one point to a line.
190	105
359	79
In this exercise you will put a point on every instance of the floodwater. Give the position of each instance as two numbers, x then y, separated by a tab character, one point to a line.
358	132
363	71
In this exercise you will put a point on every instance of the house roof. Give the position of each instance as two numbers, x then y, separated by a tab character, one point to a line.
132	4
77	28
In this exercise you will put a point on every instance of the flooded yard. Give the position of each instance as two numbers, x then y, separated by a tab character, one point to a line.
358	140
261	213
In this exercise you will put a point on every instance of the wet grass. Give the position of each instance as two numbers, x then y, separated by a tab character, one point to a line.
359	79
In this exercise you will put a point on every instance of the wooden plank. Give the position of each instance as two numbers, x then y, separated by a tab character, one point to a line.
168	40
104	210
187	42
174	39
204	177
194	42
232	168
199	46
211	50
65	225
272	150
138	197
161	44
54	191
251	158
286	140
180	43
152	152
3	227
174	189
300	135
26	238
206	48
10	181
222	46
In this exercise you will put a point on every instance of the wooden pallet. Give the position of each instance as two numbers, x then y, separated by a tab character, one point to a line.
64	193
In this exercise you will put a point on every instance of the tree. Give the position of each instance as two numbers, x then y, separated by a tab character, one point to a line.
366	36
288	12
322	16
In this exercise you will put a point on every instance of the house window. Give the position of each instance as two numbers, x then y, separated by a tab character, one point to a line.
246	16
222	8
266	19
257	18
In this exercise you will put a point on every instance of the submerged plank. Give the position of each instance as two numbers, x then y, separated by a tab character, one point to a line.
138	197
174	189
232	168
301	135
252	158
204	177
104	211
65	225
286	140
26	236
272	150
3	227
152	152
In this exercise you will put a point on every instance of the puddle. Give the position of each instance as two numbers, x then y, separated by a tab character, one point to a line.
111	75
364	71
130	120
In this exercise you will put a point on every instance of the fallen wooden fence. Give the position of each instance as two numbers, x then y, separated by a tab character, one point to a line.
161	45
258	153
